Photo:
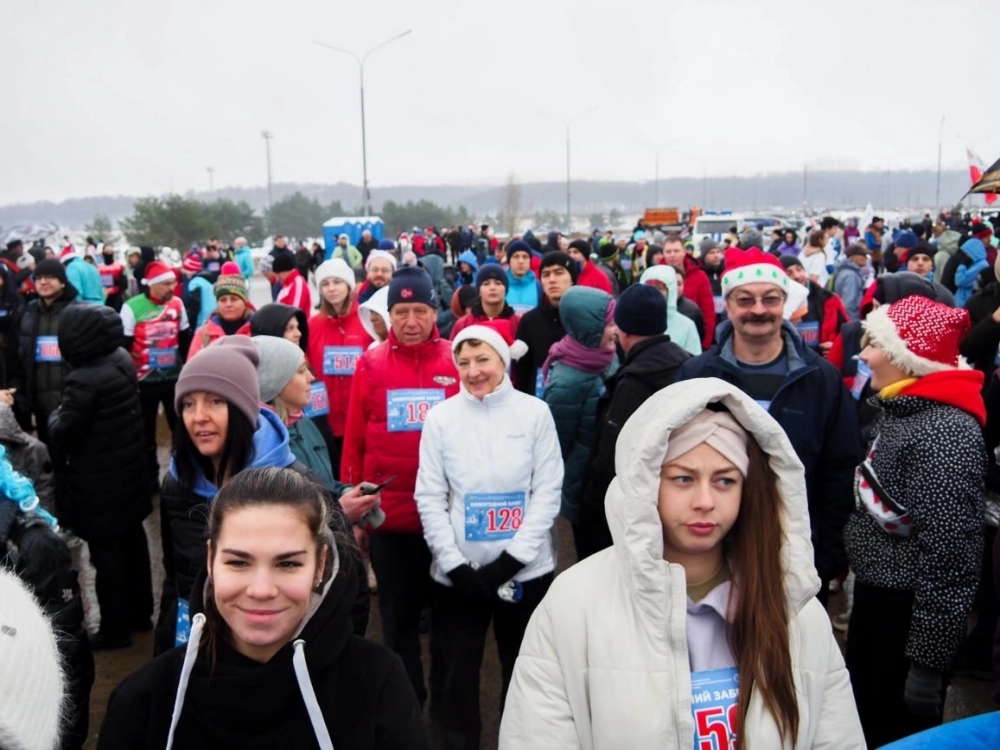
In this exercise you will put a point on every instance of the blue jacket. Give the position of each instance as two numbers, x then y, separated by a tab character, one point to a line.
821	421
245	261
965	276
523	293
467	257
87	280
849	285
206	302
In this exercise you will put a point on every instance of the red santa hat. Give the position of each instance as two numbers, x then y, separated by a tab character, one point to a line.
753	266
158	272
918	335
67	253
498	334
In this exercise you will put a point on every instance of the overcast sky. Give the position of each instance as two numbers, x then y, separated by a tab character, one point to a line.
135	97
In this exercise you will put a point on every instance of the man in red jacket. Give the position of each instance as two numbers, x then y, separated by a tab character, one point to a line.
697	286
395	385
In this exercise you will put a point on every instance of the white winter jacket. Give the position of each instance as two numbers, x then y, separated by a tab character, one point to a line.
604	662
505	444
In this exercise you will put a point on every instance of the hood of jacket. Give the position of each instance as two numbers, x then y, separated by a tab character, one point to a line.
377	303
583	312
631	499
901	284
667	276
264	695
649	360
469	257
272	319
270	448
87	332
975	249
434	265
948	241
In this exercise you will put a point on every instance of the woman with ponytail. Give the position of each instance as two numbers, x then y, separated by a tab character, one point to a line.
700	626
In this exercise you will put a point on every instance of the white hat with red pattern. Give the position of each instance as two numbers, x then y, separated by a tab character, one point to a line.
919	335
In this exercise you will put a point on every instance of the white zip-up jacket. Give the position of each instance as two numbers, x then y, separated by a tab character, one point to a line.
505	444
605	664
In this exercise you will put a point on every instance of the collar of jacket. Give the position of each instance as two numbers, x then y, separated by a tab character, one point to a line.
795	349
500	396
413	351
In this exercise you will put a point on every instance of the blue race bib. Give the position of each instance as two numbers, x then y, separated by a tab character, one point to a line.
491	516
720	304
183	630
163	359
862	376
107	280
319	401
406	409
714	696
47	349
809	333
340	360
539	384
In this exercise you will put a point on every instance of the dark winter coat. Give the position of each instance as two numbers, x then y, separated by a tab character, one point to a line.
30	457
539	328
11	310
43	381
34	553
818	414
689	309
926	465
96	433
980	345
649	366
361	690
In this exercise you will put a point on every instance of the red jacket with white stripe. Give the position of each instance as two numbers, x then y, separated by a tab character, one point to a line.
385	419
295	292
336	343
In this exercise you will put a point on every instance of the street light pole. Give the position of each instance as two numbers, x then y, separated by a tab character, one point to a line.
267	135
211	173
937	191
361	71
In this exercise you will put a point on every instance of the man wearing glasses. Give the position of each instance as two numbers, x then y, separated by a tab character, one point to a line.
763	355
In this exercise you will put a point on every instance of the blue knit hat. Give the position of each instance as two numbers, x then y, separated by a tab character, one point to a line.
411	284
386	245
492	271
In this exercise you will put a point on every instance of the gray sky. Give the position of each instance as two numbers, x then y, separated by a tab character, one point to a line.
136	97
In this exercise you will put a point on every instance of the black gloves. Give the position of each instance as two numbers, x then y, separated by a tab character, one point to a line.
922	694
466	581
495	574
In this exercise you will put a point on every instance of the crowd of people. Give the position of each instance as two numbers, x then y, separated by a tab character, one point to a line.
731	431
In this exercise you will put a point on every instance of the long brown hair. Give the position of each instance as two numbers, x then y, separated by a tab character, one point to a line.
758	633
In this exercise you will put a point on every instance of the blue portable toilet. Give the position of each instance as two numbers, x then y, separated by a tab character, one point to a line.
352	226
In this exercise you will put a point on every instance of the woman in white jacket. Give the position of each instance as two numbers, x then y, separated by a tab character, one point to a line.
700	624
488	491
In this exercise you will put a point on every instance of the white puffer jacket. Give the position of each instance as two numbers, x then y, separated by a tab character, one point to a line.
604	662
506	443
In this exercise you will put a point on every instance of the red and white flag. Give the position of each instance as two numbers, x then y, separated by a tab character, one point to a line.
977	169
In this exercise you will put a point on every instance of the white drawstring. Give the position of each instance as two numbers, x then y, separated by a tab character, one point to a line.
190	656
309	696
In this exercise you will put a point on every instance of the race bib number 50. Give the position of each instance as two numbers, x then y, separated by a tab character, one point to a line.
406	409
714	698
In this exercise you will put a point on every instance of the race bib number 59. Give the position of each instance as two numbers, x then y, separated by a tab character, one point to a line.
714	702
407	409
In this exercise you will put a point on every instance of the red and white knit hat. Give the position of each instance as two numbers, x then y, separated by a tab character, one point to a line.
918	335
158	272
752	266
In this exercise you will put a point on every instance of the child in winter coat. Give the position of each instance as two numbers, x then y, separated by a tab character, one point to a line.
914	539
965	276
574	374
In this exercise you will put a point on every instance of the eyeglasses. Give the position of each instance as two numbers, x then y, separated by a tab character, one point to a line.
771	300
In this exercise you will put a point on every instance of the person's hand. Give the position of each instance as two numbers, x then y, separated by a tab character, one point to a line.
825	348
356	504
922	693
466	581
7	396
495	574
996	315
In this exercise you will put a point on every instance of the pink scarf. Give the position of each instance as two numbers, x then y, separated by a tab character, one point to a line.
573	354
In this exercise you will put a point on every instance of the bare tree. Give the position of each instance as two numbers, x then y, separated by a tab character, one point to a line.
511	210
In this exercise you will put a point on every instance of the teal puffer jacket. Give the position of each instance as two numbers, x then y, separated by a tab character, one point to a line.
308	446
572	394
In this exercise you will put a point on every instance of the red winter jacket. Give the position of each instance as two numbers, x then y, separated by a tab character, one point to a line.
336	367
295	292
592	276
698	289
379	443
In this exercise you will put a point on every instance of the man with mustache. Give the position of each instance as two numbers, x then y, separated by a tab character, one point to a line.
763	355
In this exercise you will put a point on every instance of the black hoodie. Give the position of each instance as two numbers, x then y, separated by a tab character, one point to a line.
361	689
272	319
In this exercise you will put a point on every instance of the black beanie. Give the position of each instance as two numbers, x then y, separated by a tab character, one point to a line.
559	258
411	284
283	262
583	246
53	268
641	311
492	271
789	260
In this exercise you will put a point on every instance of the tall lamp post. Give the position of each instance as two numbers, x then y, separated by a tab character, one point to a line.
361	70
267	135
567	121
937	191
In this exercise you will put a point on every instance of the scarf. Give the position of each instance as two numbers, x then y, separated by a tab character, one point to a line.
572	353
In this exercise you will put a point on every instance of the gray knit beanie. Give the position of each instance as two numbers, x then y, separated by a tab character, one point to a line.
227	367
279	360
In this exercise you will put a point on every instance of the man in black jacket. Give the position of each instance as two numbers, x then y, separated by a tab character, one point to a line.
540	327
651	363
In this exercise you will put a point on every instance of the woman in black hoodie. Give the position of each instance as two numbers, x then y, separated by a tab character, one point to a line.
271	660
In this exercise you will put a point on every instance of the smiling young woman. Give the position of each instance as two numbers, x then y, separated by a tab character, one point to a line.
271	660
701	621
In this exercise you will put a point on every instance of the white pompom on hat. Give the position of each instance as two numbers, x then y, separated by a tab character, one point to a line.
33	686
498	334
